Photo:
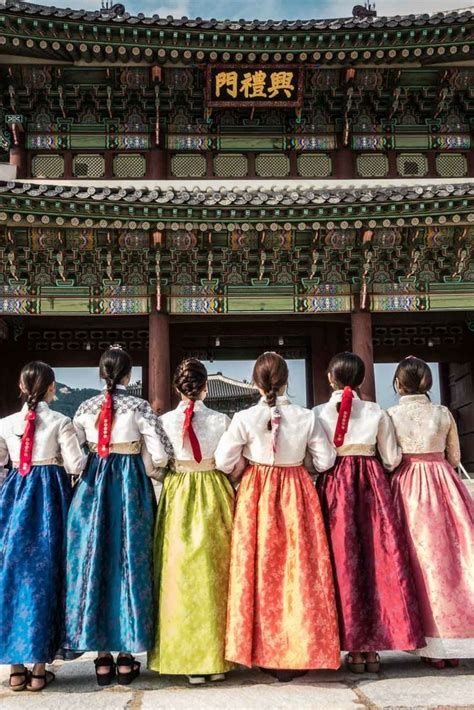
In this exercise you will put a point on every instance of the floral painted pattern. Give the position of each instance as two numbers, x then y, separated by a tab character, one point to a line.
282	611
109	598
33	512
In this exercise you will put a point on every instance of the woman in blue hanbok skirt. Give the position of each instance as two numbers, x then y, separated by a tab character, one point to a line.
34	499
109	602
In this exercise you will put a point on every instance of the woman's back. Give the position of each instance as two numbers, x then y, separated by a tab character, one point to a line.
208	425
424	427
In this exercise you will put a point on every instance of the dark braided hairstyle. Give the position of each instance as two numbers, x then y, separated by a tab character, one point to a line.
114	365
190	378
270	374
35	380
346	370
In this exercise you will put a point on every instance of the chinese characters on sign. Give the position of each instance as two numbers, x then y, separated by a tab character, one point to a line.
254	86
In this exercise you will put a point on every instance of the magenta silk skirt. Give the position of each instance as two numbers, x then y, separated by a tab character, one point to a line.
375	595
438	516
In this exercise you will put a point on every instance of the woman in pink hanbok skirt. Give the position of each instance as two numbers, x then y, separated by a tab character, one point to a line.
438	516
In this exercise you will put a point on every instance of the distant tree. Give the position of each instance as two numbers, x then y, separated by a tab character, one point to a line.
68	400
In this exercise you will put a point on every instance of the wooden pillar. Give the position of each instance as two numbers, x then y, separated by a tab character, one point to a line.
362	346
343	161
156	164
319	363
159	387
18	158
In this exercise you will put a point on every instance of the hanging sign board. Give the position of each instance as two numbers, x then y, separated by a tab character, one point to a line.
254	85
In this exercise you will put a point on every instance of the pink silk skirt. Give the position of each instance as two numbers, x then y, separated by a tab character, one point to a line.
375	595
438	516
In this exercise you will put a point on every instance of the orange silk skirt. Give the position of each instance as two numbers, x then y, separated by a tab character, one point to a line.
281	608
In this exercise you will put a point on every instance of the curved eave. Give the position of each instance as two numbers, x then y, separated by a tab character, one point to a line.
66	35
256	204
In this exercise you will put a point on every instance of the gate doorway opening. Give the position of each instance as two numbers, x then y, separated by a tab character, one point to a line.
76	384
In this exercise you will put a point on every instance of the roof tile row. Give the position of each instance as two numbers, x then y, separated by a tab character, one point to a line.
271	195
111	15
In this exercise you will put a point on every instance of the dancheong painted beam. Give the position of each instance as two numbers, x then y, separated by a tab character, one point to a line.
252	249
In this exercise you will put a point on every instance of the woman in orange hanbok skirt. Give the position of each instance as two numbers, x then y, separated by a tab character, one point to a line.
281	611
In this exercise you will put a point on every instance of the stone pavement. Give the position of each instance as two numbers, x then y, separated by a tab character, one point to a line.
403	683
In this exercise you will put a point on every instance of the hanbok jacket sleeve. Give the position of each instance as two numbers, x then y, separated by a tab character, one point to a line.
79	427
71	453
229	450
154	436
387	444
4	456
453	449
319	448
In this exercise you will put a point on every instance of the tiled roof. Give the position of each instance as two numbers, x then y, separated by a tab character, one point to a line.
118	17
221	387
253	195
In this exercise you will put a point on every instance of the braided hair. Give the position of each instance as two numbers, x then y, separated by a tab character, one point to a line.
190	378
270	374
35	379
114	365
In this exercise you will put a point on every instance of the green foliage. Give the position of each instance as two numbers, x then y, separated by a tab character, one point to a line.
68	399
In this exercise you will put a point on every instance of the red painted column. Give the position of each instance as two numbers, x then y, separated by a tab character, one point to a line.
159	387
362	346
320	357
18	158
156	164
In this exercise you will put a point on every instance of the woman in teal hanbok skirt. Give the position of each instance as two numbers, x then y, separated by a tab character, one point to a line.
109	598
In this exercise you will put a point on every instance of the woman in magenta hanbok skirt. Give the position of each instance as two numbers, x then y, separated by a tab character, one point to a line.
438	515
374	589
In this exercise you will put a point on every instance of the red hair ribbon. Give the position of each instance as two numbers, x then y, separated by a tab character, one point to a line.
27	441
188	430
104	426
344	416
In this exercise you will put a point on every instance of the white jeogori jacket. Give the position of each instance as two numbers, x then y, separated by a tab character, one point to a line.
370	430
300	435
135	428
209	427
55	440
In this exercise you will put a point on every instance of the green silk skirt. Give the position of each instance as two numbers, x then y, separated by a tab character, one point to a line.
192	559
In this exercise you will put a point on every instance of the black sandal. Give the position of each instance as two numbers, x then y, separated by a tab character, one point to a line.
47	677
19	686
105	662
134	672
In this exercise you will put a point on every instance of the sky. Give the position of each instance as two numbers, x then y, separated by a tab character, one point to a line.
81	377
269	9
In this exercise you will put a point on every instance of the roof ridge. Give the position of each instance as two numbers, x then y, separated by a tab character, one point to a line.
118	14
231	380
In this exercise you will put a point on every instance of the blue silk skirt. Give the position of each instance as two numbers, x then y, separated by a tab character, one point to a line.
33	514
109	587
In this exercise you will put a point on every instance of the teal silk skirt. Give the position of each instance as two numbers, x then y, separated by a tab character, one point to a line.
109	585
192	558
